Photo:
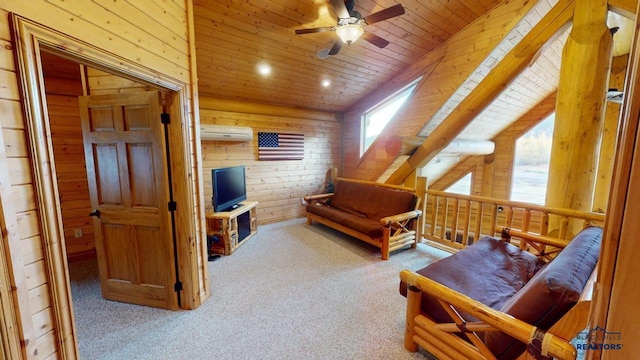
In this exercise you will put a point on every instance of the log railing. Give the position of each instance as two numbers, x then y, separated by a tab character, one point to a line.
459	220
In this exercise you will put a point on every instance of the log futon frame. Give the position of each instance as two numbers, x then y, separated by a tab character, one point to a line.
462	338
383	215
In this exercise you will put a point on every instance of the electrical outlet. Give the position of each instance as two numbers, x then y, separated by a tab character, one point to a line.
77	233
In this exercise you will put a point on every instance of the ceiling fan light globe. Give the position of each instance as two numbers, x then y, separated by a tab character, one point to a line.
350	33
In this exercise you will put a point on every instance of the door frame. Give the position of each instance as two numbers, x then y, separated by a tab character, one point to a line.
29	38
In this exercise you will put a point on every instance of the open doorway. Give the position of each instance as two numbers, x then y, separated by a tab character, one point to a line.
110	164
65	83
30	38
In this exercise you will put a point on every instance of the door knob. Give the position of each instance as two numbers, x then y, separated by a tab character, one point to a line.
95	213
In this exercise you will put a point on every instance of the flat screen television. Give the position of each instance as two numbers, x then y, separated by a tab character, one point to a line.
229	188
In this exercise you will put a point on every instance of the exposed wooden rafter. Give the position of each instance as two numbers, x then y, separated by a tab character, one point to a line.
443	71
488	89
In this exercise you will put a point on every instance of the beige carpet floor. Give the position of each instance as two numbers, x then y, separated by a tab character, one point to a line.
293	291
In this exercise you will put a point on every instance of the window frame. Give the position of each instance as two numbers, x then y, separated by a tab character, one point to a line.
514	166
409	89
471	176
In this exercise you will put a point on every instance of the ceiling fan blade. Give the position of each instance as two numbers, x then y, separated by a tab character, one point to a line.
385	14
336	47
313	30
375	39
340	8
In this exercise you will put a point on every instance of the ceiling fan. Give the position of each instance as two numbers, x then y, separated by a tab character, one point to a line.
351	24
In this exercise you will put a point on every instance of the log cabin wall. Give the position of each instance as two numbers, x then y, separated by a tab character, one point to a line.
617	291
278	186
120	29
63	85
34	308
102	83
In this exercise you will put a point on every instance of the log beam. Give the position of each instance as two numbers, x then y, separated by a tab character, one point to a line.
397	146
626	8
488	89
469	147
584	74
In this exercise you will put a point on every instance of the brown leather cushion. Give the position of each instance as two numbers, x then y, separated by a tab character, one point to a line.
489	271
361	224
373	202
551	292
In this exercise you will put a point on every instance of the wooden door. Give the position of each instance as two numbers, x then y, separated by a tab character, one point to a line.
126	168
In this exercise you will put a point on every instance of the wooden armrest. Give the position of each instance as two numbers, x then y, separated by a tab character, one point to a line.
546	240
518	329
386	221
317	197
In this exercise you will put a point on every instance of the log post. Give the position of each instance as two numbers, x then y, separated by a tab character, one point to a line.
414	296
584	76
384	248
488	171
421	192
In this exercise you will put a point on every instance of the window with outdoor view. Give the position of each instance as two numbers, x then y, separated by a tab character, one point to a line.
531	163
375	119
462	186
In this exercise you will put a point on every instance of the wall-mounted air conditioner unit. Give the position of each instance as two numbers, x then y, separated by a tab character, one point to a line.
225	132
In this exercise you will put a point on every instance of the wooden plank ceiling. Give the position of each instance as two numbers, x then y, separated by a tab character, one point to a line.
233	37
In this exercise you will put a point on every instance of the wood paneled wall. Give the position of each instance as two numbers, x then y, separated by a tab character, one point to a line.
20	215
125	30
278	185
609	136
617	292
102	83
63	85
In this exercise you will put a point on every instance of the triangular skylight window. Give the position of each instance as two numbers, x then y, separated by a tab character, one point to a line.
375	119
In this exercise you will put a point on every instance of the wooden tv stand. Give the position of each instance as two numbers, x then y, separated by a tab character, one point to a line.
230	229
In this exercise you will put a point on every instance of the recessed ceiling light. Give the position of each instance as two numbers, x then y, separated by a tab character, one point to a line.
326	82
323	53
264	69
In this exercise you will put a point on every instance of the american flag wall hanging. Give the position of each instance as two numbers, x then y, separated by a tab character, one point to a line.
280	146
